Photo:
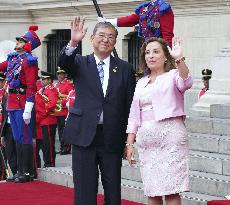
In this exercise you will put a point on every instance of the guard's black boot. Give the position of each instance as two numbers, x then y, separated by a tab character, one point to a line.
24	178
66	150
48	165
28	159
19	164
12	178
19	158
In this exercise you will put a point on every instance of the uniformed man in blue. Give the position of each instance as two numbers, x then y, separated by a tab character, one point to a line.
155	19
21	69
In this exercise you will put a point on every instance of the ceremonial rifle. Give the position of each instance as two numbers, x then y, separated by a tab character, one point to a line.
5	48
6	164
100	15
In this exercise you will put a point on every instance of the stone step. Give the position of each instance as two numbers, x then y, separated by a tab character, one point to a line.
209	162
207	125
213	163
210	184
191	198
209	143
199	161
220	111
130	172
200	182
131	190
57	175
199	112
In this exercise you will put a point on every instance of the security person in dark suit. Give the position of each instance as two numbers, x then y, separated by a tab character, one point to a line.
96	123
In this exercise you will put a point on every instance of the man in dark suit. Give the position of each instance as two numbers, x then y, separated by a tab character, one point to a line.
96	124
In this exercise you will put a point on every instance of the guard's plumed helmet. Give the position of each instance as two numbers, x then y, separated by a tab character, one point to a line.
31	39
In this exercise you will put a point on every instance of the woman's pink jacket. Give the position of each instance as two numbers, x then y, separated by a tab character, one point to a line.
167	98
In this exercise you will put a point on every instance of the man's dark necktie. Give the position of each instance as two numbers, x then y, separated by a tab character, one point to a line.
101	71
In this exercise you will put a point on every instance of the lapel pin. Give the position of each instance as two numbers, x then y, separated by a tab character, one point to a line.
115	70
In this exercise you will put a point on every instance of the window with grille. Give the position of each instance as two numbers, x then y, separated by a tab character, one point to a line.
55	43
134	45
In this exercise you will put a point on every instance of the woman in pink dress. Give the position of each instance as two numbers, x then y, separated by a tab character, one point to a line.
156	122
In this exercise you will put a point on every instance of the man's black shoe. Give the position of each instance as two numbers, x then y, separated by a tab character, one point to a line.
48	165
24	178
12	178
65	152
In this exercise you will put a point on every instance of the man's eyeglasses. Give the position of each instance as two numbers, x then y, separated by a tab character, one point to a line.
110	37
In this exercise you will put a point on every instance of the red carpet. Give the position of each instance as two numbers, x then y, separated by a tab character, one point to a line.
41	193
219	202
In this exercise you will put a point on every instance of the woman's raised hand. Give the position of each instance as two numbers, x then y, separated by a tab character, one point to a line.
77	31
176	51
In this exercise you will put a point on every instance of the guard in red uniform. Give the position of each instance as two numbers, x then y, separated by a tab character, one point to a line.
155	19
70	99
64	86
38	133
21	69
46	101
207	74
69	102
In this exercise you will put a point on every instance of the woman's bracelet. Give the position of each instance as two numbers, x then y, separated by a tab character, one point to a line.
179	60
128	144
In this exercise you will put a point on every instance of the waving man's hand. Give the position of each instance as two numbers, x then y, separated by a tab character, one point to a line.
77	31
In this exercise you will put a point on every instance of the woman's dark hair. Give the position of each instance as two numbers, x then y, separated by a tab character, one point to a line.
170	63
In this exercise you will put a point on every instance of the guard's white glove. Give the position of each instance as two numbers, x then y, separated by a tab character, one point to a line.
27	112
112	21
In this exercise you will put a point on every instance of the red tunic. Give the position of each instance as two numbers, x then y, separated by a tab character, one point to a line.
166	23
38	132
21	70
202	92
39	85
63	88
38	126
45	109
70	99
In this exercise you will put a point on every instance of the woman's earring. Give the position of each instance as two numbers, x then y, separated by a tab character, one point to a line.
166	61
